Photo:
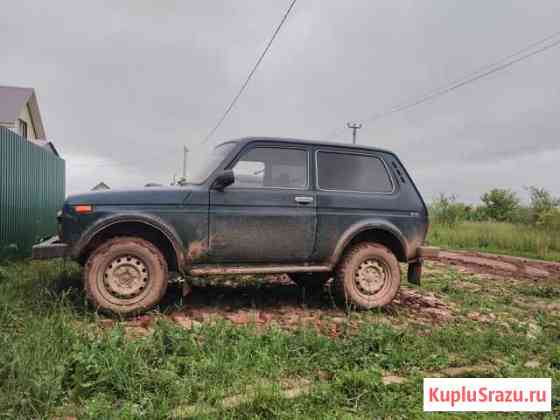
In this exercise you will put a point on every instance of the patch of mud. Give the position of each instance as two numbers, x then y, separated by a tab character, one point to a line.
289	388
500	265
481	317
196	250
276	301
393	379
262	302
422	307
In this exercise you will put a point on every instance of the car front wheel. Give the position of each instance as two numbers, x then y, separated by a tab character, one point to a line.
368	276
125	276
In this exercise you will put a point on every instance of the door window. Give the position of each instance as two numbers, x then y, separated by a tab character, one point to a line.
352	172
271	167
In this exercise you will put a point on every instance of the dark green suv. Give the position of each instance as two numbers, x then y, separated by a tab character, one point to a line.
255	205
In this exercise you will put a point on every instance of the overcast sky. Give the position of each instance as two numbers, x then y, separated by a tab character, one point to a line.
123	85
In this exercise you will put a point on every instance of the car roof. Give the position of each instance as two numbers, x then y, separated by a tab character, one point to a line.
245	140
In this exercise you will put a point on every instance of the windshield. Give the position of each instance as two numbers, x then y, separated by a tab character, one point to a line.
202	163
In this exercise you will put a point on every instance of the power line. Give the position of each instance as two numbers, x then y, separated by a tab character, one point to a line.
252	72
471	77
235	99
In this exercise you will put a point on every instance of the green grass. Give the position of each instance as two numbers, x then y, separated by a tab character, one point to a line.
57	360
495	237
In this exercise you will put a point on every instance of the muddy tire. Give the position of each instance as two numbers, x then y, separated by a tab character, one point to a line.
125	276
311	282
368	276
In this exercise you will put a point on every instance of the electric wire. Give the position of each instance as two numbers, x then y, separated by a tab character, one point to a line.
251	73
471	77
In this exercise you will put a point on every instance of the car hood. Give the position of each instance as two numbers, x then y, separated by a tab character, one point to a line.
142	196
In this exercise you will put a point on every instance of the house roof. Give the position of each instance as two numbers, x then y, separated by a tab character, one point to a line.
12	101
101	186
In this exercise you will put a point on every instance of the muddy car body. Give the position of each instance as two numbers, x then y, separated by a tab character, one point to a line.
259	205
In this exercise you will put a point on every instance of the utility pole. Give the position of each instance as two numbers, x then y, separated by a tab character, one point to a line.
185	151
354	127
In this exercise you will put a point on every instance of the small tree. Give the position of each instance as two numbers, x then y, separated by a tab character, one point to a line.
542	202
500	204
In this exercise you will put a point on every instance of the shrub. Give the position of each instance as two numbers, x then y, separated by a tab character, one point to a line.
549	220
446	211
543	205
522	215
500	204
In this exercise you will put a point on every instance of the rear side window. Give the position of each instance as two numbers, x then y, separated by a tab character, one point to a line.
352	172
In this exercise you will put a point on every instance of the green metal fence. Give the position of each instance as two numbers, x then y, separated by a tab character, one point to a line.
32	190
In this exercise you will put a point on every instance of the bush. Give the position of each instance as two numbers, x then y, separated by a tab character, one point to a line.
500	204
446	211
543	206
549	220
522	215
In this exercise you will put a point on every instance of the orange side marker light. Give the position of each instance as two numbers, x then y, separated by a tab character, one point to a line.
83	208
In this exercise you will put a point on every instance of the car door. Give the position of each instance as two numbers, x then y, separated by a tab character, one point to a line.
268	214
352	186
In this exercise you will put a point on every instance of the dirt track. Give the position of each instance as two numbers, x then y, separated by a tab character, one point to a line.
501	265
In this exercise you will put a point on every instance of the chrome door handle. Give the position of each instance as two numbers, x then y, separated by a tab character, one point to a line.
303	199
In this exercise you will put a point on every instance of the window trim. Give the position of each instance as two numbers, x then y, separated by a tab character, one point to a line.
245	150
340	152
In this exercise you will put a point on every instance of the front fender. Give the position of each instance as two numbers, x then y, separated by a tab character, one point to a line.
362	226
111	220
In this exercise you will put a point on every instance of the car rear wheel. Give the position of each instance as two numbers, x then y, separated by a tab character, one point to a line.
312	282
368	276
125	276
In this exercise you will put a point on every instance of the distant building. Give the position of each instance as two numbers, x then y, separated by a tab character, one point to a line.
101	187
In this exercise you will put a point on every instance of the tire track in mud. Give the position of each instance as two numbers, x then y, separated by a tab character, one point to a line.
501	265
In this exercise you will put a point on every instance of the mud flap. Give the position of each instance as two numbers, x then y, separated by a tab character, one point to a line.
415	272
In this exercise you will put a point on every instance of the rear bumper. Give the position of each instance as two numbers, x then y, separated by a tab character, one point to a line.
51	248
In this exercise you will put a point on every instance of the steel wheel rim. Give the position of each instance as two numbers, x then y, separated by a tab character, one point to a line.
371	276
125	279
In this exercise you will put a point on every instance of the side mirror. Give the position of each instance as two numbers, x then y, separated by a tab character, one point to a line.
223	180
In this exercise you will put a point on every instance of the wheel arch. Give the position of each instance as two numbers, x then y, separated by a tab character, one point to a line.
151	229
374	231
